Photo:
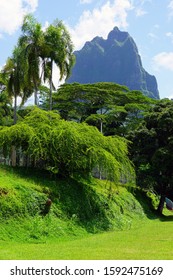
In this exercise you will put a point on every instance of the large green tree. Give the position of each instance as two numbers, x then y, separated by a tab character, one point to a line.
68	148
43	50
112	108
152	151
5	103
32	41
58	50
13	74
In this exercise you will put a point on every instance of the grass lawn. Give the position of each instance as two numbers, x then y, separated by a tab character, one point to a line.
152	240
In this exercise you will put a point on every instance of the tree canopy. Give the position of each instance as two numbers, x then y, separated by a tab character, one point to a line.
5	103
31	41
67	148
58	50
112	108
152	150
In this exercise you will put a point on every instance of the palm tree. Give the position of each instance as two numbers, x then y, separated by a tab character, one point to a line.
58	49
32	40
5	102
14	74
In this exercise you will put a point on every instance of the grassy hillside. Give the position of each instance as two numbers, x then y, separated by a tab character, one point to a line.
79	207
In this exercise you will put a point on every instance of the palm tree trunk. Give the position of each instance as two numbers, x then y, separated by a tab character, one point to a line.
51	82
35	97
15	109
13	155
35	93
13	148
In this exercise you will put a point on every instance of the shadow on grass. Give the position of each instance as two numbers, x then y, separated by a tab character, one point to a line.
149	210
146	203
166	218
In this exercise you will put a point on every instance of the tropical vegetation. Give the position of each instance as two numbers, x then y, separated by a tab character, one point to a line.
151	150
86	158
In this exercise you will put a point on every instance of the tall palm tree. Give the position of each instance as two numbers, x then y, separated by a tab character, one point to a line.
5	100
14	74
58	49
32	40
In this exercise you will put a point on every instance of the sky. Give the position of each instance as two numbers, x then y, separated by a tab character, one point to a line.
149	22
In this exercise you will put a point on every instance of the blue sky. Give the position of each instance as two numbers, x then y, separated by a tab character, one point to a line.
149	22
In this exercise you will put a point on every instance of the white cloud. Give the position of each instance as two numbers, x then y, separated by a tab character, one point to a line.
30	4
85	1
170	35
156	26
152	36
11	14
139	7
142	2
100	21
163	60
140	12
170	96
170	7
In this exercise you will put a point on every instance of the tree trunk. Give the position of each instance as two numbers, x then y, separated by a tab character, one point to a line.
35	94
101	127
13	156
101	123
50	94
161	204
13	148
35	97
15	109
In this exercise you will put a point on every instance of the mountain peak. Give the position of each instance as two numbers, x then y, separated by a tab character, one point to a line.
117	35
115	59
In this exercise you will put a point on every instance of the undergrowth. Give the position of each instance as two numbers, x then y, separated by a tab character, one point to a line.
79	206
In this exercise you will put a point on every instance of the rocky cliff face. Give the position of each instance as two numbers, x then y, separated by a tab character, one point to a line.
115	59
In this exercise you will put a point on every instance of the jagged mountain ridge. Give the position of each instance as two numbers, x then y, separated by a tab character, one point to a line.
115	59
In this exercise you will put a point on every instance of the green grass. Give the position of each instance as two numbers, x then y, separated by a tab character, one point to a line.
89	219
152	240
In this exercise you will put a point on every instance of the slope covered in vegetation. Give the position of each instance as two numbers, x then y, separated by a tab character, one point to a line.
79	207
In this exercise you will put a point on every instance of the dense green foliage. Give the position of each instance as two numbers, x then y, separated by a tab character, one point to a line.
152	150
58	50
67	147
112	108
13	74
78	206
31	41
42	50
5	103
